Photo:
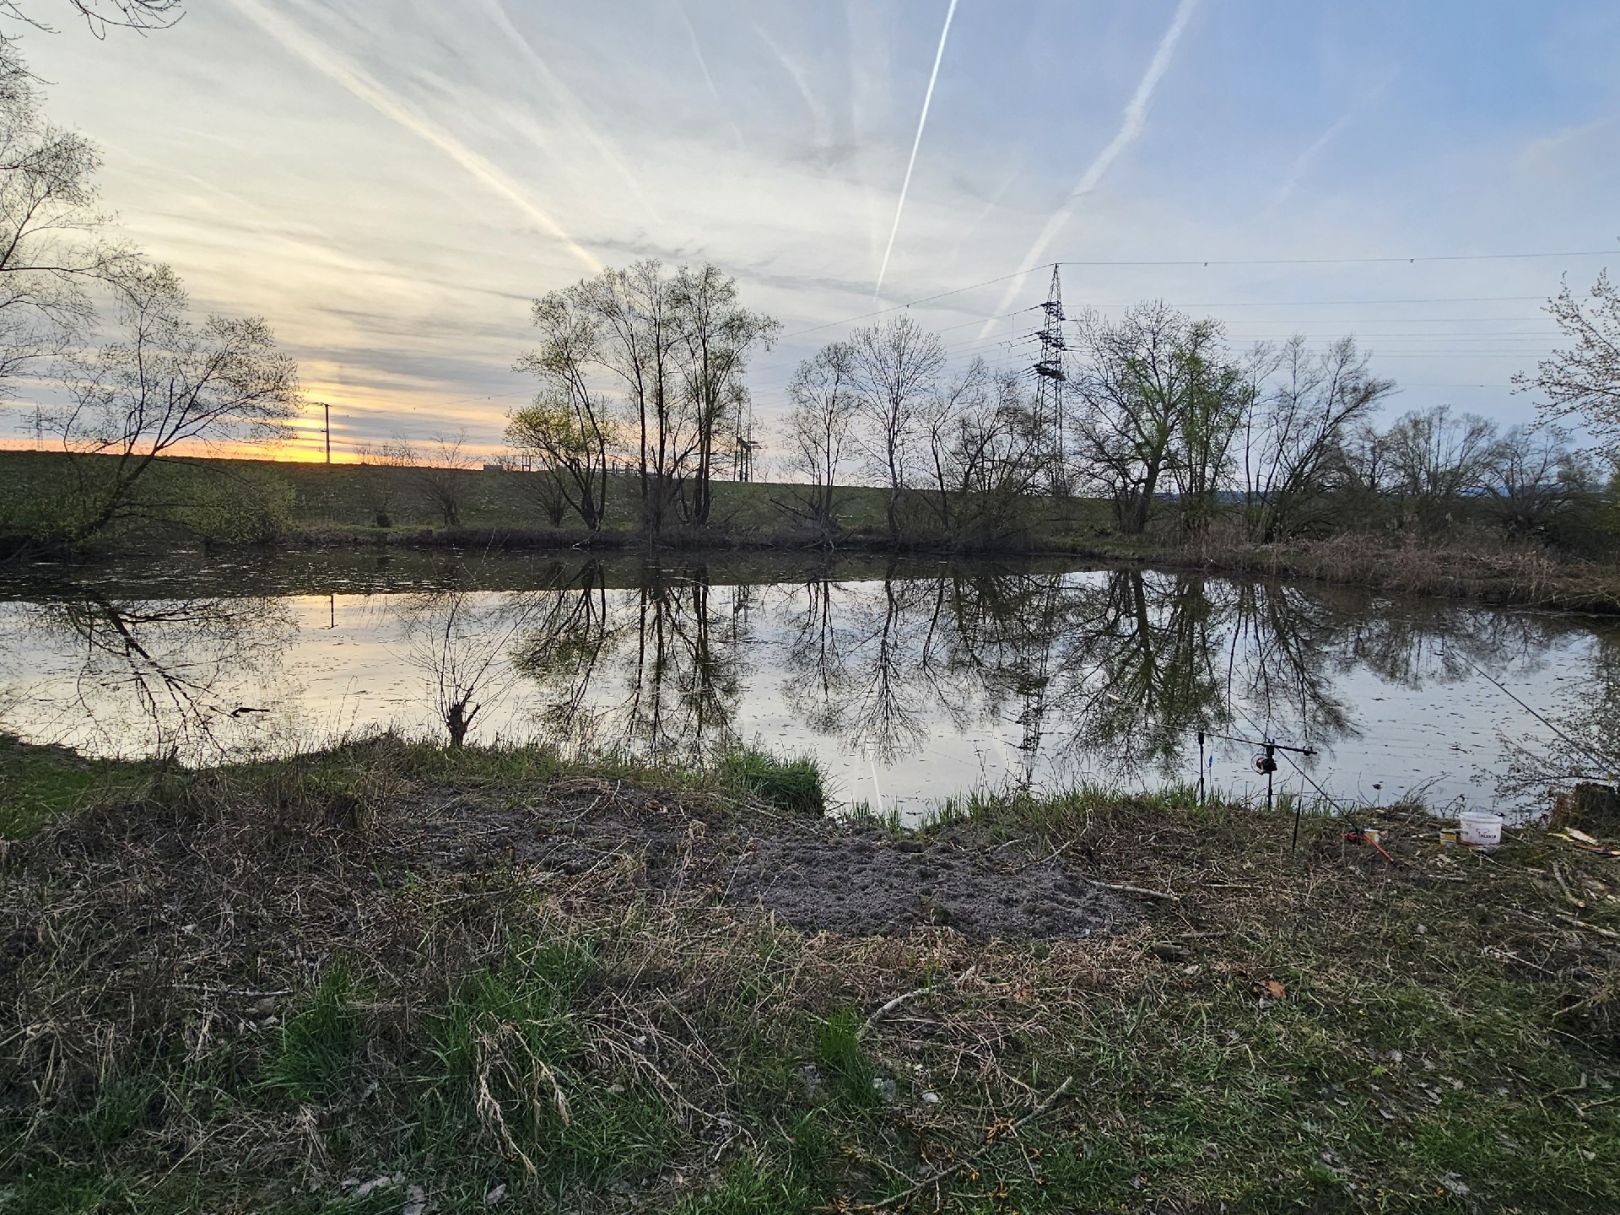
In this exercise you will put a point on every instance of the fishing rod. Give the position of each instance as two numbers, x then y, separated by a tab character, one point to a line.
1265	763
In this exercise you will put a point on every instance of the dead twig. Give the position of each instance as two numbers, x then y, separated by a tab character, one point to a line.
1606	933
1141	890
1558	875
895	1003
1008	1130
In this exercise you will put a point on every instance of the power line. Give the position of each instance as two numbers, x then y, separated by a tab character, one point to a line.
1206	262
1346	261
927	299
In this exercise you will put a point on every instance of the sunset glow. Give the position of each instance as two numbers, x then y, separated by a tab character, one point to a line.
391	211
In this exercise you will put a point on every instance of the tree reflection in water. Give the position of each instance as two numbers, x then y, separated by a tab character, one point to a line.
1106	674
186	678
1050	675
648	673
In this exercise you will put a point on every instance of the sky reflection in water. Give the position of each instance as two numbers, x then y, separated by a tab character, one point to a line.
909	683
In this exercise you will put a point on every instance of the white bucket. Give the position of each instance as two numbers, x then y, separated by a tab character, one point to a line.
1478	829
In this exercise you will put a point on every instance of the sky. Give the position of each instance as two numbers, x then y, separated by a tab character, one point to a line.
390	184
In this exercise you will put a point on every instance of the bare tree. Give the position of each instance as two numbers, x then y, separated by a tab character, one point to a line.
1294	431
1363	474
717	334
1531	478
825	401
459	640
378	484
169	381
52	247
1139	380
640	332
440	471
1201	448
896	367
567	428
980	454
1582	381
1437	459
99	15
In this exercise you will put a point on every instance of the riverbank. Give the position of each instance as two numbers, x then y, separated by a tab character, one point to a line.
336	507
395	977
1495	573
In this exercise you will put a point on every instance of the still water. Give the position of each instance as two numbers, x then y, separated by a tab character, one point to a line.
908	681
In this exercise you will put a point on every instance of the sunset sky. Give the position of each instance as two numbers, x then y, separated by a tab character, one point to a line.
390	184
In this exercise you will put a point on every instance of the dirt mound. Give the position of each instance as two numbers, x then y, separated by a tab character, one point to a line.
867	883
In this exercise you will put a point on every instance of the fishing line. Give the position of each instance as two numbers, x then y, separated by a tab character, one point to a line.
1606	762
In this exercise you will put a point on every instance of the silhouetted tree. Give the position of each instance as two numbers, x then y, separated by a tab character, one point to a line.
897	365
825	404
165	382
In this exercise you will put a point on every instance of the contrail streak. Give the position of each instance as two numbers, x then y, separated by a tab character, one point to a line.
922	122
1132	122
329	63
708	77
570	103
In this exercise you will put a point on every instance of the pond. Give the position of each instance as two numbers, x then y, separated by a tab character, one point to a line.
910	681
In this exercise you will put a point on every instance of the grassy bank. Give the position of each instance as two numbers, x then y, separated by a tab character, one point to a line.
336	507
340	504
1481	568
394	978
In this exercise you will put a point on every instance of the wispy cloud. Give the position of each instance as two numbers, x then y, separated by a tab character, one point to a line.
1133	121
569	102
362	85
911	163
795	73
1302	163
708	76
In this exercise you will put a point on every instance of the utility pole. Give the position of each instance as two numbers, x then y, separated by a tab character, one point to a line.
326	407
1049	380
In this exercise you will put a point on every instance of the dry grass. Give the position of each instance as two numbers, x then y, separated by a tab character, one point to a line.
268	989
1485	569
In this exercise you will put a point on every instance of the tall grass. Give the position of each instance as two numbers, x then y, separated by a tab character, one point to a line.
794	783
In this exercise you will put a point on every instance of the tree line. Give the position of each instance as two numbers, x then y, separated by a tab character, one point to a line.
1160	418
641	378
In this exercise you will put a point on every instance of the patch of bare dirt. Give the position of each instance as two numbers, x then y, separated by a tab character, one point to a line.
867	883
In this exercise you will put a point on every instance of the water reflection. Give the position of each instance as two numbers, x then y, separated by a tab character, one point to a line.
189	678
652	671
922	678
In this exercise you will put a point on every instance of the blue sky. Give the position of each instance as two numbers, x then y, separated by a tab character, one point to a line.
390	183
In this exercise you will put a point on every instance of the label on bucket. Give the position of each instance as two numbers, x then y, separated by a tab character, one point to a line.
1480	830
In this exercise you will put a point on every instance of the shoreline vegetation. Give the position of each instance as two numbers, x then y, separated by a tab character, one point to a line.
338	506
394	976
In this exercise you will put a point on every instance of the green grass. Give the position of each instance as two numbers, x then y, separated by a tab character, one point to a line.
319	1057
38	784
593	1042
794	784
341	502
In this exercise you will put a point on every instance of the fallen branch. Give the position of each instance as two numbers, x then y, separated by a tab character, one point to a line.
966	1161
895	1003
1142	890
1582	924
1569	894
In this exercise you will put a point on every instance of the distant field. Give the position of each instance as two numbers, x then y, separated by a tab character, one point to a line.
350	496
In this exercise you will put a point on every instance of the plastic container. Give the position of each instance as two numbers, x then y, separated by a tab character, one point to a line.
1478	829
